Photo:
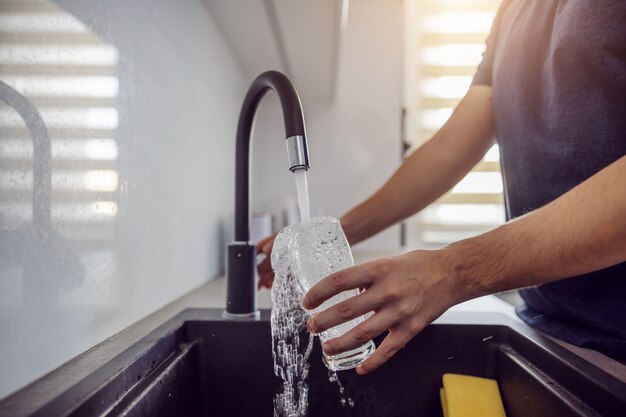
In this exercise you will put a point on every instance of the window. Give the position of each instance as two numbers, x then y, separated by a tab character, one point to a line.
444	43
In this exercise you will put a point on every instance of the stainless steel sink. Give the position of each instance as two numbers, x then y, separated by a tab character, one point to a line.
198	364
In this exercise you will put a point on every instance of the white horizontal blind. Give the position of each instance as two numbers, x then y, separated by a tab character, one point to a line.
451	39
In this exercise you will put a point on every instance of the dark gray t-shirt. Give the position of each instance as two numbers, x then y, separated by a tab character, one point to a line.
558	73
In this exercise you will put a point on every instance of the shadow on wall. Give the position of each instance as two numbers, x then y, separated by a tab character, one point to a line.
35	247
58	181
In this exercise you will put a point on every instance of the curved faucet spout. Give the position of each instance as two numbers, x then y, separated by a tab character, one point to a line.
294	128
241	256
289	100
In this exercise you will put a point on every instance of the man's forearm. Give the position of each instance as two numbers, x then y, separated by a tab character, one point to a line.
582	231
425	176
430	171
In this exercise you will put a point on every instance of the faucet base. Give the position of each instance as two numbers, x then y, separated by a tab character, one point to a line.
256	315
241	281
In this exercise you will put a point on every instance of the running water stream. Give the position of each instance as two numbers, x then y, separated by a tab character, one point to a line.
303	195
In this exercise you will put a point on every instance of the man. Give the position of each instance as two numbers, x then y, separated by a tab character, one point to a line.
552	89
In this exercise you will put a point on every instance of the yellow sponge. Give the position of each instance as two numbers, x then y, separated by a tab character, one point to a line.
470	396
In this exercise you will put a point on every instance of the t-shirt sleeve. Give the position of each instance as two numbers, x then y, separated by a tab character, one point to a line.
484	72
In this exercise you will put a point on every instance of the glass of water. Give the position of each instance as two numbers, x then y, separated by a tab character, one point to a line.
306	253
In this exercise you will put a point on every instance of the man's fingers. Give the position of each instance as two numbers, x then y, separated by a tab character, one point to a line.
266	281
265	266
333	284
395	340
266	275
344	311
265	245
360	335
260	246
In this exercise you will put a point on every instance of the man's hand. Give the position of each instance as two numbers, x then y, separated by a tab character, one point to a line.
266	275
406	293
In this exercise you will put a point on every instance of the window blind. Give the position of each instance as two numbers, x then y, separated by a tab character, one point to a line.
449	41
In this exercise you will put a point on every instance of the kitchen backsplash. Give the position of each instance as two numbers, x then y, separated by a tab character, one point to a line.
115	207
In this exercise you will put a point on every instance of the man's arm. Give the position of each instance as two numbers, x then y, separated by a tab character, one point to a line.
431	170
584	230
424	176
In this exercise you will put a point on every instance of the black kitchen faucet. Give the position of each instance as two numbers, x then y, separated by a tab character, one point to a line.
241	254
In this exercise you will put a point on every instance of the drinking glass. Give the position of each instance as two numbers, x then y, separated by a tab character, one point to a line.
306	253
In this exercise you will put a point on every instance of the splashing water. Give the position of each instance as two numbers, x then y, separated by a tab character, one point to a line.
291	344
344	400
303	195
316	249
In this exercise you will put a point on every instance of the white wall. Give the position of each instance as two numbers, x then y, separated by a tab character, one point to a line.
355	141
155	233
136	228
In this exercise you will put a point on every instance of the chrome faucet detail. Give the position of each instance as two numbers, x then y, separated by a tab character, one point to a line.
241	254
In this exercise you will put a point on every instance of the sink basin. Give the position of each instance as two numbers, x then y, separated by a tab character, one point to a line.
198	364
